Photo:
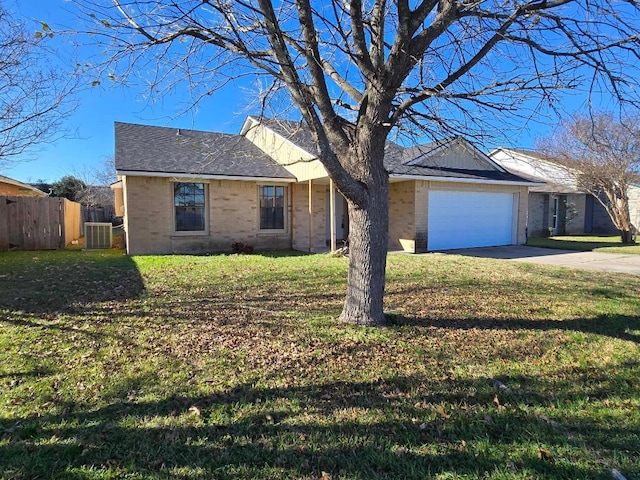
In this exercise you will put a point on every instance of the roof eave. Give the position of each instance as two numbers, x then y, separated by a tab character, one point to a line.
25	186
522	183
243	178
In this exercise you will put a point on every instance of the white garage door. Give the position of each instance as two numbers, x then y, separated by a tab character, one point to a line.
469	219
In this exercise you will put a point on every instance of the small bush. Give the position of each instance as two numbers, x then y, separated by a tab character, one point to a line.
241	248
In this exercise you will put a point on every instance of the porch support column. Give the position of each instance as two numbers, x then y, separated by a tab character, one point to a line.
310	215
332	214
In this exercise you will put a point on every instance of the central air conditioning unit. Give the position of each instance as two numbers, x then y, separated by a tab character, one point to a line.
97	236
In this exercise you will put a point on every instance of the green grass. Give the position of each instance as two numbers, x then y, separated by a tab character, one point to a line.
595	243
235	367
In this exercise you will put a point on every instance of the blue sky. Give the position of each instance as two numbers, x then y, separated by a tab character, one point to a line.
91	125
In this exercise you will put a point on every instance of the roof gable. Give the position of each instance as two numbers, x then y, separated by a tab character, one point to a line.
296	133
455	153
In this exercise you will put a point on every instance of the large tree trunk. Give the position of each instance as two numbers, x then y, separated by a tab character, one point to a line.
368	235
626	236
617	206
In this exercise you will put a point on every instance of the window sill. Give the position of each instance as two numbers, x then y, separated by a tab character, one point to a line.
189	234
272	233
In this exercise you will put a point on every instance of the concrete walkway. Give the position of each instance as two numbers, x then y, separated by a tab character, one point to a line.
608	262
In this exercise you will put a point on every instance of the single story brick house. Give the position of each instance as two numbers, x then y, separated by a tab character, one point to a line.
187	191
14	188
557	205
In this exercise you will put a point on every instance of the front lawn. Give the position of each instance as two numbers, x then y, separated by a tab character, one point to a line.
584	243
220	367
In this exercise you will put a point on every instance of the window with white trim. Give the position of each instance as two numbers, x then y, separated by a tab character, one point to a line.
189	205
272	207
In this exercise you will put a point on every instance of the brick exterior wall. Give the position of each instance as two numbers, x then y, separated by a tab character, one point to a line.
602	223
575	214
538	215
421	215
402	203
232	216
575	210
300	233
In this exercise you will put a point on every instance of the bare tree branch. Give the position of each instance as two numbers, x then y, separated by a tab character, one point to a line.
603	152
34	98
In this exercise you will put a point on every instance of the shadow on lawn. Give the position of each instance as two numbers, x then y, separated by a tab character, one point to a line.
57	281
250	432
623	327
530	295
578	243
35	373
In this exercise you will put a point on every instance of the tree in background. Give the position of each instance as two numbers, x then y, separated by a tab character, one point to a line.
603	152
358	70
97	180
90	187
69	187
34	95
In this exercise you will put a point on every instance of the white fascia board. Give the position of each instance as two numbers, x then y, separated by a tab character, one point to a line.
466	180
249	122
195	176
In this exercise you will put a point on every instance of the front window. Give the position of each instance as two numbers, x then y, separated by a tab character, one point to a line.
271	207
189	205
554	213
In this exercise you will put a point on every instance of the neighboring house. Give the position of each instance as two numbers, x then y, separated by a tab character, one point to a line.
557	206
13	188
186	191
634	205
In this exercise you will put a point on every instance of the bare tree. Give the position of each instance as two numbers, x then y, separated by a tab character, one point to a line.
603	153
96	180
35	96
358	69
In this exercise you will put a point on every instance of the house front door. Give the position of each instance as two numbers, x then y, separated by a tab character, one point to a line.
341	218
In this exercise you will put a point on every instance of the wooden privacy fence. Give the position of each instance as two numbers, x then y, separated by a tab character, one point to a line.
35	223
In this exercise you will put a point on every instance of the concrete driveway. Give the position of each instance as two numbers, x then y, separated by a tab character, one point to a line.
608	262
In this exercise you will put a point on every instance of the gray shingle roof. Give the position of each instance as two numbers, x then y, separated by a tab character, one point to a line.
454	173
397	158
142	148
